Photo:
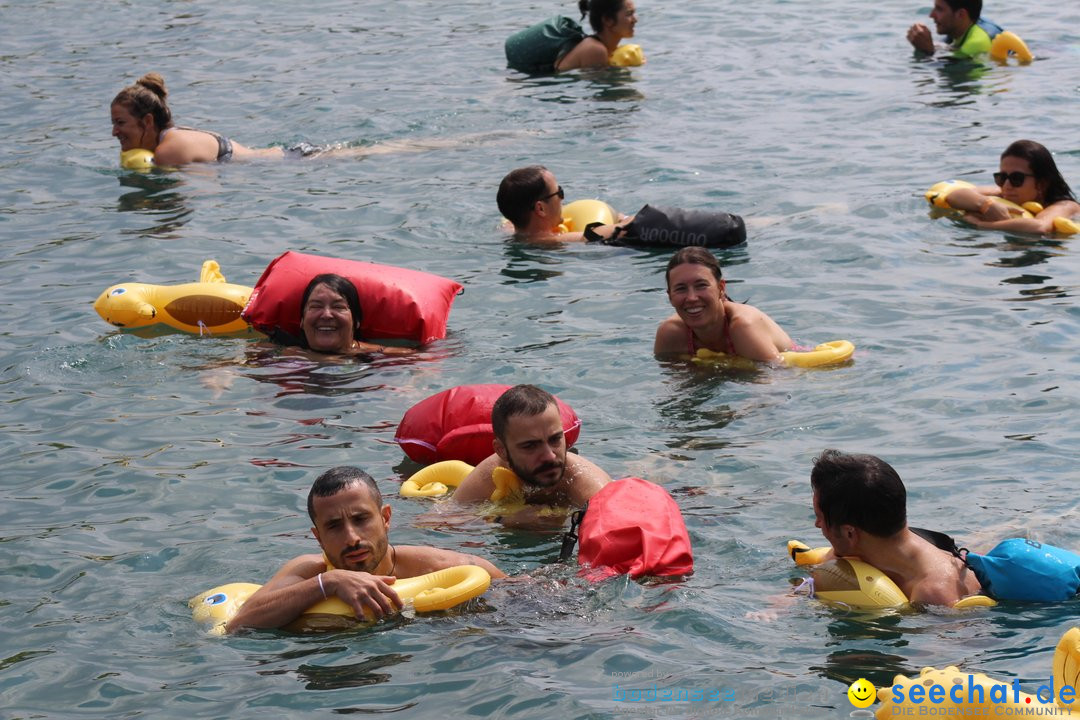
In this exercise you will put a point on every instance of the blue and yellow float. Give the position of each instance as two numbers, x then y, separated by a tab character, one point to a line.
852	584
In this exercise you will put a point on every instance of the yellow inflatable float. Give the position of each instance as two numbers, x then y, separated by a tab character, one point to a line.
206	307
436	480
951	693
851	583
440	590
1006	43
137	159
580	213
938	196
830	353
628	56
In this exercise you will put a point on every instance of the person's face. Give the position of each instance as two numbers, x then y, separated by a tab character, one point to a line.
696	295
535	447
1030	189
944	18
351	528
550	207
840	537
327	321
130	130
625	20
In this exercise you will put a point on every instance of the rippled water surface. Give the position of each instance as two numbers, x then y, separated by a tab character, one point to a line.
139	471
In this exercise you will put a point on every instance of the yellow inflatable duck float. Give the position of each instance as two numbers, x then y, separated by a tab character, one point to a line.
210	306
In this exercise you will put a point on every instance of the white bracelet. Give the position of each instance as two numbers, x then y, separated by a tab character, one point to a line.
322	587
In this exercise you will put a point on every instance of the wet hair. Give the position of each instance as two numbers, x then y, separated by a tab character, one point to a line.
973	7
337	479
1043	168
525	400
343	287
147	95
859	490
518	191
693	255
597	10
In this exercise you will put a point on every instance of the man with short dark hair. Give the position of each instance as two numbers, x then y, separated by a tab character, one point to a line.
860	504
529	440
531	199
358	564
959	21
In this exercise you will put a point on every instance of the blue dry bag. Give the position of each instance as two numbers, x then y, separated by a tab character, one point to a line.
1019	569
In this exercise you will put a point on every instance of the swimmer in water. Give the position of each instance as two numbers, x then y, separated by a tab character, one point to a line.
142	119
611	20
705	317
330	317
531	199
1027	173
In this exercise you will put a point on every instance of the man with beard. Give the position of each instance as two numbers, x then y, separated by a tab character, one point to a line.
358	564
529	440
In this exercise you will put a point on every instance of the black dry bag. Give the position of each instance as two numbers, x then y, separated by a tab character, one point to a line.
676	228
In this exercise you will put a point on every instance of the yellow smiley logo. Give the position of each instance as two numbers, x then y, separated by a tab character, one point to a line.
861	693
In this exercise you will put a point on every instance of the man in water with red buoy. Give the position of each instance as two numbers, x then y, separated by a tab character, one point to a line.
860	504
358	563
530	442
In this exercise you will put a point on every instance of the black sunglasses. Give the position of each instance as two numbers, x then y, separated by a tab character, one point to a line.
1016	178
559	192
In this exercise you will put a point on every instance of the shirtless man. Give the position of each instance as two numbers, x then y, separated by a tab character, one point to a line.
860	504
350	522
529	440
531	199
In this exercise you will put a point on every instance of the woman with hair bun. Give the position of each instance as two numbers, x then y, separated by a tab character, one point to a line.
141	118
612	21
1027	173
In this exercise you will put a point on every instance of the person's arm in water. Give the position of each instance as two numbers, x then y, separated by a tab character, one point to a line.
296	587
1041	224
671	337
755	335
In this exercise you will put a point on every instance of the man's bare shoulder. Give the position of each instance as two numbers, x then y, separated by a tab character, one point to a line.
414	560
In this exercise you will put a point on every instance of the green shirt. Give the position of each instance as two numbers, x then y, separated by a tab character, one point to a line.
974	42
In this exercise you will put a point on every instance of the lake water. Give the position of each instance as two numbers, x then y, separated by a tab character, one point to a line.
141	471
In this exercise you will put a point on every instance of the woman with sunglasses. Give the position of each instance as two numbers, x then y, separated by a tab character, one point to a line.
705	317
1028	174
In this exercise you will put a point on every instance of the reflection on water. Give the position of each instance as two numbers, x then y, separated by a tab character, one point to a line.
612	84
524	261
153	198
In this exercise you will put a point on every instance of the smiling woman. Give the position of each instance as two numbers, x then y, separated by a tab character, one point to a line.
141	119
705	317
330	316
